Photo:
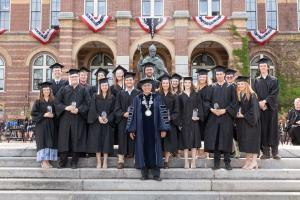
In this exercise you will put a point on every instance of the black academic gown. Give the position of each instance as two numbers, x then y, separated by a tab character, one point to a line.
115	89
248	128
100	135
204	95
89	89
292	127
219	129
55	87
123	101
170	142
268	89
72	127
44	127
148	150
190	136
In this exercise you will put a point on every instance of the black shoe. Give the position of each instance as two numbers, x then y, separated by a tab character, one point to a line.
157	178
74	166
143	178
166	165
61	165
216	166
277	157
228	166
264	156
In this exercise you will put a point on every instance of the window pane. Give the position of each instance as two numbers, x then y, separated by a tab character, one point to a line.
35	5
1	73
4	14
1	62
158	8
38	74
216	6
89	6
55	9
146	5
4	5
203	7
48	75
97	60
102	7
1	84
49	61
107	61
39	61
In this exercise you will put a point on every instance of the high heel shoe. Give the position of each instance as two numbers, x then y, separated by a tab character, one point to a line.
252	166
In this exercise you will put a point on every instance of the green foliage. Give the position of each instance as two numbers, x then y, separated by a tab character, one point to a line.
242	54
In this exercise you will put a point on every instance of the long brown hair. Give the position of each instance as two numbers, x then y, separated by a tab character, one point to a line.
179	87
192	86
161	90
199	86
100	94
51	96
248	92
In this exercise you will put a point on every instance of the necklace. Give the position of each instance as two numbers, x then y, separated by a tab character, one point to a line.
148	105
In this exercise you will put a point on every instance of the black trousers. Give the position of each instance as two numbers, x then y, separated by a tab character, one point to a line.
63	158
154	170
266	150
217	157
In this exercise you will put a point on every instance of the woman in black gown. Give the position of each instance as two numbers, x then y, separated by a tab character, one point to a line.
169	143
100	118
42	114
190	113
248	123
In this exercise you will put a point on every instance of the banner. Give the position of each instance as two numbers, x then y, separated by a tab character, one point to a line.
2	30
152	25
262	37
209	23
44	37
95	23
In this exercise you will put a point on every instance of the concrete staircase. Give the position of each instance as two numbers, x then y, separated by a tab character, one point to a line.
22	178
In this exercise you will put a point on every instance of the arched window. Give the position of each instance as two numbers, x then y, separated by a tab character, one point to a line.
204	61
2	74
40	69
101	60
254	66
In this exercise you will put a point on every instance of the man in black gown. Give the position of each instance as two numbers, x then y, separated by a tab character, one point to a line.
71	106
219	127
293	123
83	79
57	82
149	74
267	89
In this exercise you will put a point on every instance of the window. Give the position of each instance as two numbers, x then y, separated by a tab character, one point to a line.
40	70
251	14
104	61
298	9
271	13
2	66
55	9
152	8
254	66
36	14
4	14
204	61
209	7
96	7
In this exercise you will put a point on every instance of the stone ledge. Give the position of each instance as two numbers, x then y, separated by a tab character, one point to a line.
181	14
123	14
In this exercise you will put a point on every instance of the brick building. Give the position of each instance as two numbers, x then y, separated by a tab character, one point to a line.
182	44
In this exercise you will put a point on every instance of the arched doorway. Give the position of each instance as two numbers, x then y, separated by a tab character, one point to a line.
161	52
93	55
207	55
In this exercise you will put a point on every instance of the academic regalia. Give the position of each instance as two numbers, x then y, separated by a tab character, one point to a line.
292	127
123	101
268	89
219	129
56	86
148	150
170	142
190	136
115	89
72	127
100	135
248	128
44	127
89	89
204	95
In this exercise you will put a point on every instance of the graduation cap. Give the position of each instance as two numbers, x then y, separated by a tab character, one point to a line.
263	61
73	71
219	68
176	76
164	77
56	65
84	69
101	70
44	84
230	71
144	81
104	80
129	75
202	71
148	64
242	79
187	78
121	68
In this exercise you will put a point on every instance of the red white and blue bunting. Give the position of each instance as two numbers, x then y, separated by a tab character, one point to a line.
152	25
262	37
44	37
95	23
2	30
209	23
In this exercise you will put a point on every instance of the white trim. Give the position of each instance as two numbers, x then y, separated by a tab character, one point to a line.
30	17
277	20
3	67
152	9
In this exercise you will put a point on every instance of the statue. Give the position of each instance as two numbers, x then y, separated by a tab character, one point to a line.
159	68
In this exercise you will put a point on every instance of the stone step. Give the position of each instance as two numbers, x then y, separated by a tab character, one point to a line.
151	185
146	195
284	163
174	173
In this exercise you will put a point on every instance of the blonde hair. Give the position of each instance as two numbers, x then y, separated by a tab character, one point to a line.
199	86
248	92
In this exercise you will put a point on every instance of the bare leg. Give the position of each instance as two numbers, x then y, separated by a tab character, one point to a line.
247	161
105	155
253	164
194	154
186	161
98	156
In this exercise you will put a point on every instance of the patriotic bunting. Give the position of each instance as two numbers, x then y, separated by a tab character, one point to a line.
2	30
262	37
44	37
152	25
209	23
95	23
